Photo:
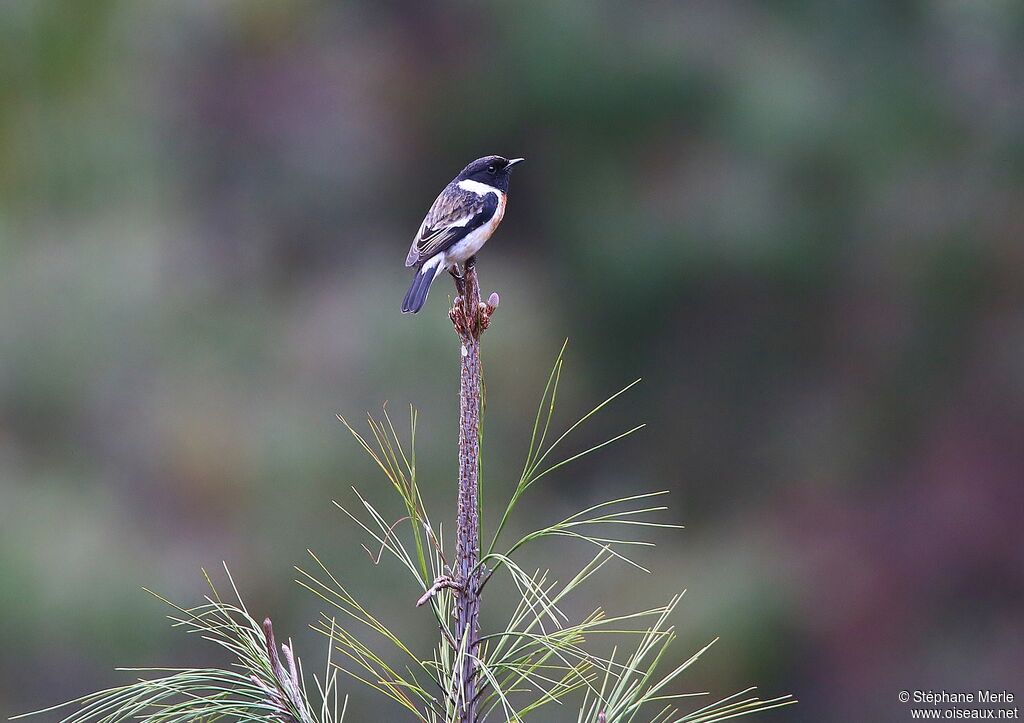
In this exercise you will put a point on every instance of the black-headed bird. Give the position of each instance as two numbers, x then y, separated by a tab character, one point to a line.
459	223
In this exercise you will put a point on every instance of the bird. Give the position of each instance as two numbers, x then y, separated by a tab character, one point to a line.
459	222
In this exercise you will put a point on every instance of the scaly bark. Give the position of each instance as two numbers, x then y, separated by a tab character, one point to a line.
470	318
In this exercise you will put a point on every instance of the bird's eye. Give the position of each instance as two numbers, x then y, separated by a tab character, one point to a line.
491	169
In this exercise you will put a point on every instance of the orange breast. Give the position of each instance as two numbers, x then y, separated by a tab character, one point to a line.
499	212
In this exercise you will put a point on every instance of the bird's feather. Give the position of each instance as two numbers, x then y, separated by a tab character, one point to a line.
455	213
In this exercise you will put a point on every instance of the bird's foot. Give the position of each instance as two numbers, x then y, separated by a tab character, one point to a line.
470	323
460	280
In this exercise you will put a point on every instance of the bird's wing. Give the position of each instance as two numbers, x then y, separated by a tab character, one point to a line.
454	214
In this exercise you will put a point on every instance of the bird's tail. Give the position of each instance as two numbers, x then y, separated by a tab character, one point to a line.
416	296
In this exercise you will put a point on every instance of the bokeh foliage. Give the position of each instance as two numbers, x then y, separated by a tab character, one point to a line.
798	221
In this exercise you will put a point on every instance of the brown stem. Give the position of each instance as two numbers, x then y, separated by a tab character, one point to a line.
470	318
439	584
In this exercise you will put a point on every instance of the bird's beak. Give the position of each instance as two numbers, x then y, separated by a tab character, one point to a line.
513	162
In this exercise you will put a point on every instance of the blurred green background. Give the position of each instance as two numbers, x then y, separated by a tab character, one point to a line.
799	222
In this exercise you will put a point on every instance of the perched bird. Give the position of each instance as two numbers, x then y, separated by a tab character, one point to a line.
461	220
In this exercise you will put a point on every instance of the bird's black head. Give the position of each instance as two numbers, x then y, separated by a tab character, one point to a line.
491	170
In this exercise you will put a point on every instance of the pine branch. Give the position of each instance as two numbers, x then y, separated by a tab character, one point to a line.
541	656
470	318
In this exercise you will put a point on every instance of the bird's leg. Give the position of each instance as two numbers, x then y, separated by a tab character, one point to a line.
478	318
469	322
460	280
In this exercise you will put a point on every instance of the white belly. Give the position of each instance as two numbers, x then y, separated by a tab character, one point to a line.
476	238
